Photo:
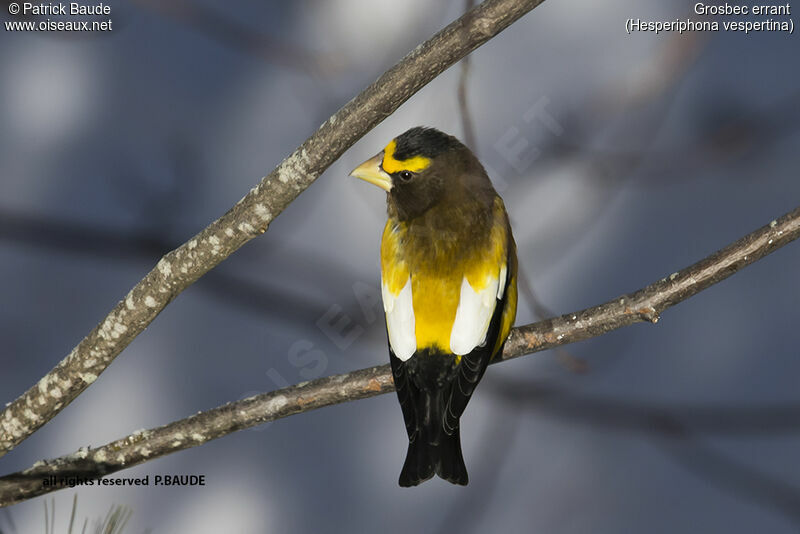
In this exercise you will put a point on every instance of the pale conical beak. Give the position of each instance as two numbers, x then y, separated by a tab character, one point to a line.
370	171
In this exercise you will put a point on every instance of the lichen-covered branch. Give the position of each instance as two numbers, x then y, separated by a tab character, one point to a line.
643	305
251	216
648	303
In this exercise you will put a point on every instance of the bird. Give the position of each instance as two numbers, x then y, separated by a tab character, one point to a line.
448	285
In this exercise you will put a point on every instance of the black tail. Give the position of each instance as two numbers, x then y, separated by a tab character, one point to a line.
432	450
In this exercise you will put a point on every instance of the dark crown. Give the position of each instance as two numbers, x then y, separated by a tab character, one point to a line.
423	141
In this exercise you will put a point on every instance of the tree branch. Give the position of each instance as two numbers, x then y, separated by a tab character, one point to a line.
251	216
461	93
643	305
648	303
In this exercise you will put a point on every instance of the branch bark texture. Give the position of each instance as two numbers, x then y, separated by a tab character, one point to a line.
643	305
251	216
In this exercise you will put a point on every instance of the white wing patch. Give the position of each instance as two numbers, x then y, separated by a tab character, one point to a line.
474	313
400	320
501	286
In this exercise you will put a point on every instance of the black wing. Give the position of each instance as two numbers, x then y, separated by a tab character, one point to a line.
407	393
472	367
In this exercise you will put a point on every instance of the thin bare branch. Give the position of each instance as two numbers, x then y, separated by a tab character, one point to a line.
567	359
643	305
463	105
648	303
251	216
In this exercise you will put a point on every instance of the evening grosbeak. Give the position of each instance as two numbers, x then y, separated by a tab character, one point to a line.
449	287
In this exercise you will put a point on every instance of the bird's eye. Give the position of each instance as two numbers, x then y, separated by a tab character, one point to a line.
405	175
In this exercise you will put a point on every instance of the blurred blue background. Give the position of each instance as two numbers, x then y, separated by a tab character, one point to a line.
621	159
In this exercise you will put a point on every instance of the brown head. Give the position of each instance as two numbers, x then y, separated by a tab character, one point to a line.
423	168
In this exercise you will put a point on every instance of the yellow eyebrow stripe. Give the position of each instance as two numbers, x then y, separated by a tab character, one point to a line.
392	165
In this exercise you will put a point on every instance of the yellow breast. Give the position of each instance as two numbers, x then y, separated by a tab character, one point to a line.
436	282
